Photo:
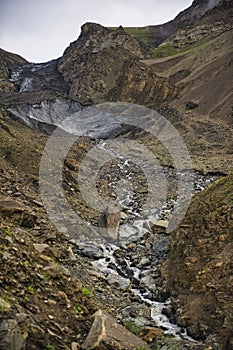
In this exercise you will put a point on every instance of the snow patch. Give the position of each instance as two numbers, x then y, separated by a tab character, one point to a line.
26	85
213	3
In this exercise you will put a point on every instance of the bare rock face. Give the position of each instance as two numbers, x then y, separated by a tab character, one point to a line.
104	64
95	38
199	10
101	65
107	334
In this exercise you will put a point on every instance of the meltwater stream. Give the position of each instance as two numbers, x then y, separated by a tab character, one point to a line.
130	269
157	318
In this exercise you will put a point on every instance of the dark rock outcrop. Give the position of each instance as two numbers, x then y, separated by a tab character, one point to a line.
14	332
33	83
191	105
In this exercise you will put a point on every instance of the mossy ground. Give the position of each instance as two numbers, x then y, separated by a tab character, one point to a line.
142	34
167	49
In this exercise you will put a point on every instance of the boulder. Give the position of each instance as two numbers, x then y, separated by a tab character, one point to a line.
159	226
109	222
191	105
107	334
92	251
17	212
40	247
118	281
14	332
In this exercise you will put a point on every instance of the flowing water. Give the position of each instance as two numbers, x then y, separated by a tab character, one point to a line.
132	229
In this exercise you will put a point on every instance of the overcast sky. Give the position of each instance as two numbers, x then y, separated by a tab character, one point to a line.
40	30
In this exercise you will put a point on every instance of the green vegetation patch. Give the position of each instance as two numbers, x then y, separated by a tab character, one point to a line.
132	327
5	303
166	50
143	34
86	292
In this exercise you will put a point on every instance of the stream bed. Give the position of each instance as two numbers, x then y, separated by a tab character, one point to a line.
132	264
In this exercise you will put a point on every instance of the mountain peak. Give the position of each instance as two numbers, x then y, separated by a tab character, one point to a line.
92	27
95	38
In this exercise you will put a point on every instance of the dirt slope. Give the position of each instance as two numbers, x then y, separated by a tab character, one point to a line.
202	75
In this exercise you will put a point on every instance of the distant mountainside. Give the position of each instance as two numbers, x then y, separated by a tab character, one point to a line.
200	10
101	65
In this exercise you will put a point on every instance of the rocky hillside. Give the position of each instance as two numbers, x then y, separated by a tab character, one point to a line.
199	267
48	293
50	286
103	64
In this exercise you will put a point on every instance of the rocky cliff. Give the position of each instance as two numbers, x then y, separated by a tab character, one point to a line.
110	65
104	64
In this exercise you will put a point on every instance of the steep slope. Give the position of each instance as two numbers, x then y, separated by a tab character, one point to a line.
210	82
202	75
200	11
200	68
28	292
199	267
32	83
